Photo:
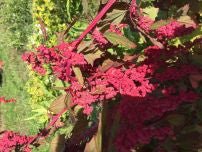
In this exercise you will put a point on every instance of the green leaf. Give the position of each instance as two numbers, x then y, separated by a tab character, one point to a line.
79	75
176	119
197	59
85	6
68	9
192	128
152	12
160	23
57	143
91	57
108	63
59	103
115	17
104	1
186	20
116	39
85	46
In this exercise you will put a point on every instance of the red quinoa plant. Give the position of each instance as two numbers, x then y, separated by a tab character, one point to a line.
134	76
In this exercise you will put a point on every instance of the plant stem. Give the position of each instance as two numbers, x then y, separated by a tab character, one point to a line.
94	22
48	126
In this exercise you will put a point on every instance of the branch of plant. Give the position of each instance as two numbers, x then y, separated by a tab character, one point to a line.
135	25
153	40
94	22
54	120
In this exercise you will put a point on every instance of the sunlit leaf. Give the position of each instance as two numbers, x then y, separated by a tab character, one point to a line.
78	75
85	46
85	6
107	64
152	12
116	39
160	23
184	9
186	20
91	57
115	17
59	103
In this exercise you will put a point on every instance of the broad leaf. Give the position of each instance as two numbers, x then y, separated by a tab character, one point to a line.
78	75
59	103
85	46
184	9
116	39
196	58
160	23
91	57
85	6
195	79
192	128
176	119
152	12
115	17
186	20
107	64
57	143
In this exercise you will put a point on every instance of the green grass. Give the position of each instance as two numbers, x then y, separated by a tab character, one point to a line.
15	75
14	79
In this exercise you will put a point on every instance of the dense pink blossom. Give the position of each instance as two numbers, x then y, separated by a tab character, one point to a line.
129	138
99	38
135	112
176	73
35	62
144	22
173	29
4	100
13	141
132	82
106	85
133	8
61	59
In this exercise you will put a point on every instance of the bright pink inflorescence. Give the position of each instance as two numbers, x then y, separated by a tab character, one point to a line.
4	100
173	29
144	22
106	85
99	38
169	31
61	58
10	141
138	115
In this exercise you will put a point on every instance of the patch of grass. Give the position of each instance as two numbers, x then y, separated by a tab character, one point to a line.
14	79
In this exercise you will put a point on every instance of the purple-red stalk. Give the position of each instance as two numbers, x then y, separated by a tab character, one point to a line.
94	22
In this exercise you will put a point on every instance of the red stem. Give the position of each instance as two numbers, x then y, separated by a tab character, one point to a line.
94	22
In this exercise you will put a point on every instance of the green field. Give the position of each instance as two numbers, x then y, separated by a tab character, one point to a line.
14	115
14	79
